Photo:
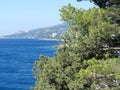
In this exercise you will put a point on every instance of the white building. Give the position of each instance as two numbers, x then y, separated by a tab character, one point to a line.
53	35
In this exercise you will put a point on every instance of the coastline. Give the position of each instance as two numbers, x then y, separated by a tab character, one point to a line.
32	39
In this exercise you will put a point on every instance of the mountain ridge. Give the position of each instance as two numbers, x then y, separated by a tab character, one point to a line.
52	32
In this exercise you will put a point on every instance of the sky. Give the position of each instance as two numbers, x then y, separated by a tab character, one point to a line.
24	15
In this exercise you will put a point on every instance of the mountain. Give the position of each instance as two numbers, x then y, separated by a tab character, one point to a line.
53	32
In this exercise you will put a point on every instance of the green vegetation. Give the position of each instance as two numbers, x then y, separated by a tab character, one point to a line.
85	60
53	32
104	3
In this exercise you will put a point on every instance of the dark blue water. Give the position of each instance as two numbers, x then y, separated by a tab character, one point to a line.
17	57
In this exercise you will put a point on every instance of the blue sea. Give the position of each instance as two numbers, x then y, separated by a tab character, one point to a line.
17	57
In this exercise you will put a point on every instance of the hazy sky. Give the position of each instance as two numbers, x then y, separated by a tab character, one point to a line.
17	15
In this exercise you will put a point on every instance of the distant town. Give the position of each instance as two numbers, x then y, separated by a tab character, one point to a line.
53	32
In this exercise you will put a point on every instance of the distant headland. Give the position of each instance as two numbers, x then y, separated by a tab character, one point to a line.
47	33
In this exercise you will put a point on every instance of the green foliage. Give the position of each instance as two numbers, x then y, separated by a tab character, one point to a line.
101	74
91	30
66	72
104	3
82	61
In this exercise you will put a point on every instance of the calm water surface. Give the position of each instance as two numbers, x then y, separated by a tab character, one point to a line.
17	57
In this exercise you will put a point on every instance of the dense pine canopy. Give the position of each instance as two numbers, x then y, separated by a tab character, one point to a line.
104	3
84	60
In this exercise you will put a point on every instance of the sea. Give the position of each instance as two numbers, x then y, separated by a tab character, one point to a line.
17	57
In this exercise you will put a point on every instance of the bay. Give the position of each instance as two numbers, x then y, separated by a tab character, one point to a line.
17	57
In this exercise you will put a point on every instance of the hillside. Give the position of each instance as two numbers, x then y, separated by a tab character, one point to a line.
53	32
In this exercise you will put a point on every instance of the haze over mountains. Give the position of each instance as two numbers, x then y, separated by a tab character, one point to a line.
53	32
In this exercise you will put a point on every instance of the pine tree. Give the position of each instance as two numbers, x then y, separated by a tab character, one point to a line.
104	3
82	62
